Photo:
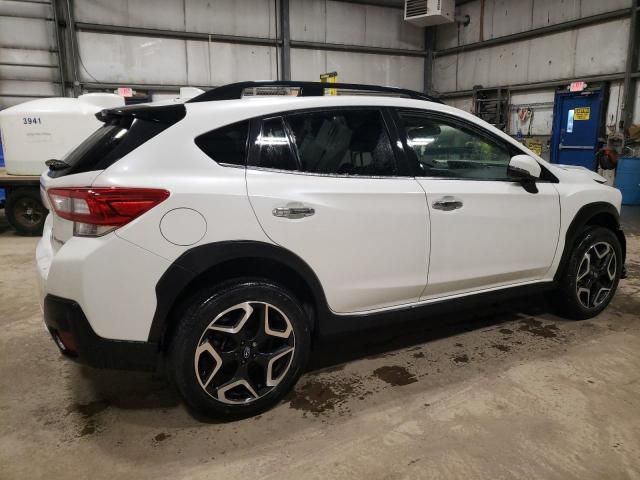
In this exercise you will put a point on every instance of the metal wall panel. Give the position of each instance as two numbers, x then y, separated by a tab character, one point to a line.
504	17
592	50
27	38
38	57
26	32
42	74
307	20
125	59
220	63
24	87
352	23
552	57
392	70
256	18
602	48
24	9
228	17
167	14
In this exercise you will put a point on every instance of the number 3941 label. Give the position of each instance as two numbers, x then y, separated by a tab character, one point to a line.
31	121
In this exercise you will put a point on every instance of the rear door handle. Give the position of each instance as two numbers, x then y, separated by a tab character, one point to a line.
447	204
293	212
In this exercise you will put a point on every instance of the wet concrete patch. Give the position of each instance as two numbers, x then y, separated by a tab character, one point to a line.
161	437
502	348
464	358
395	376
89	412
319	395
536	327
91	409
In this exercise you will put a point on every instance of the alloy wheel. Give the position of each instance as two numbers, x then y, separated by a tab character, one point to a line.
596	275
245	352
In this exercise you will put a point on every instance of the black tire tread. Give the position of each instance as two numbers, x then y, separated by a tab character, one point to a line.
564	297
196	400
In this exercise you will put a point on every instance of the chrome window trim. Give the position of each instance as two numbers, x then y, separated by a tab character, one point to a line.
331	175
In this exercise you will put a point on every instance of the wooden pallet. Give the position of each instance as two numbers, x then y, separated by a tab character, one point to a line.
7	180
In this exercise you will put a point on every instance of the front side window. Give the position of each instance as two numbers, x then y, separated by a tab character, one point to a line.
343	142
447	149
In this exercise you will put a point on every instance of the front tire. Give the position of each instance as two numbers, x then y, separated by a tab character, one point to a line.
239	348
591	276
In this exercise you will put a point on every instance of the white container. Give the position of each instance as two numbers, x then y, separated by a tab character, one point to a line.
35	131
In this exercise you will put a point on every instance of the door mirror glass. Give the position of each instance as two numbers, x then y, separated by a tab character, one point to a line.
523	167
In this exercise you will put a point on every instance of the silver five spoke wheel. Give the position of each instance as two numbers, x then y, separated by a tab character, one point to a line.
244	352
596	275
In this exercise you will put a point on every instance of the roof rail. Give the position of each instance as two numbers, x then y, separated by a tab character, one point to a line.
233	91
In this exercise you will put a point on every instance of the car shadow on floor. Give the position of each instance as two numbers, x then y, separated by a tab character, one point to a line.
142	391
375	342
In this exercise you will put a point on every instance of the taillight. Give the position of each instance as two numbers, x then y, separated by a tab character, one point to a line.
97	211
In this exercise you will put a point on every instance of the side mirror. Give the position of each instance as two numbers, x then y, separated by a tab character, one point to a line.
526	170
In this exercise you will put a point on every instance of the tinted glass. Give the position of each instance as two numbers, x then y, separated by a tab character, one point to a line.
109	144
274	148
226	144
344	142
445	149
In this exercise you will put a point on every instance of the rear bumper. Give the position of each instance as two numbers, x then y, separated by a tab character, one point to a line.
75	338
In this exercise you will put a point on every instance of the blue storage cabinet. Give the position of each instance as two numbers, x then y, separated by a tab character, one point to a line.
628	180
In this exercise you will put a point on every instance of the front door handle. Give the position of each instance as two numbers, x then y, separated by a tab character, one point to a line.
447	204
293	212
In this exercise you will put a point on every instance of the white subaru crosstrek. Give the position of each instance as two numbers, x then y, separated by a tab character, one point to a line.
219	237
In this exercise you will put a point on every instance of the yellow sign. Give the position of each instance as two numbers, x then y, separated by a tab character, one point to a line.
535	146
331	77
582	113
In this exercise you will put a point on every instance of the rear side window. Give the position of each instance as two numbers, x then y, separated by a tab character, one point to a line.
227	144
109	144
343	142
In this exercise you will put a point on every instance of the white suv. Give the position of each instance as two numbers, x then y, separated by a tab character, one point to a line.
219	237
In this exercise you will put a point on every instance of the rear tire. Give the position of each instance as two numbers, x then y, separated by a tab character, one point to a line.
591	276
240	347
25	211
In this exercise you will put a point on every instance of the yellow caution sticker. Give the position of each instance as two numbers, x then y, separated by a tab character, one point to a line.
582	113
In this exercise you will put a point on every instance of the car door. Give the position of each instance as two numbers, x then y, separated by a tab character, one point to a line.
486	230
327	186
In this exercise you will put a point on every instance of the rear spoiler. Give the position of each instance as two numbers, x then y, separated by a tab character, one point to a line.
167	114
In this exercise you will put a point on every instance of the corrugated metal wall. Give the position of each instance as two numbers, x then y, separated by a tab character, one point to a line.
28	52
111	58
339	22
593	50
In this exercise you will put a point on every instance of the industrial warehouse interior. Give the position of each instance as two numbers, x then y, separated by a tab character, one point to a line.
320	239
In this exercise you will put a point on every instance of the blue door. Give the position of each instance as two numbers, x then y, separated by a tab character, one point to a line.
576	124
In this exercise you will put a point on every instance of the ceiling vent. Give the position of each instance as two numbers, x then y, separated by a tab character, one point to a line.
427	13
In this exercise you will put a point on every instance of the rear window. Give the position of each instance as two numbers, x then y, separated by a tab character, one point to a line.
109	144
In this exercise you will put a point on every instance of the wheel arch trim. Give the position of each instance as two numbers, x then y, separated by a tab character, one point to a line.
197	261
584	215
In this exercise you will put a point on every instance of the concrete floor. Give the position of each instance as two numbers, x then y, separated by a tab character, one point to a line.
506	392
